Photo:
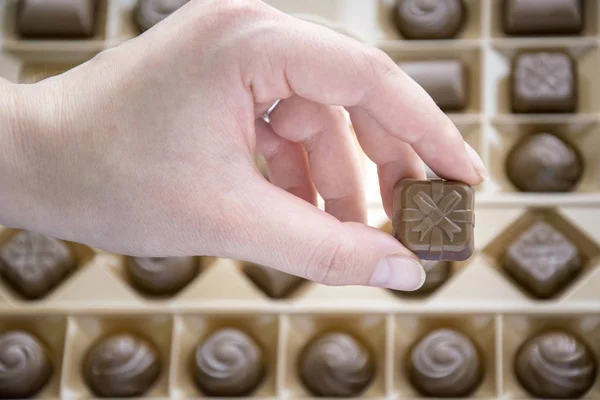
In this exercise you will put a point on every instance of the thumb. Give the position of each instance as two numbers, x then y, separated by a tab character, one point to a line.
298	238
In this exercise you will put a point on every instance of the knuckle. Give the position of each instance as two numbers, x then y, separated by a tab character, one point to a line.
238	10
332	262
380	61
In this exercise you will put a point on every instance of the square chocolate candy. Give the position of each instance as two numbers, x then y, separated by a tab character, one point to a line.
435	218
56	18
445	81
542	260
33	264
544	82
548	17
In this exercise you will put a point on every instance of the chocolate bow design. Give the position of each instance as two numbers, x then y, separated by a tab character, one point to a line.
436	215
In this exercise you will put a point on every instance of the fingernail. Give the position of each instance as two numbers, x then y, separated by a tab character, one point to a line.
476	162
398	273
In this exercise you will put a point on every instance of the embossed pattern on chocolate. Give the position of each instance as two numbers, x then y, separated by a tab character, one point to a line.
429	19
121	365
56	18
438	272
25	366
555	365
228	363
157	276
444	80
544	163
548	17
148	13
274	283
335	364
445	363
33	264
434	218
544	82
542	260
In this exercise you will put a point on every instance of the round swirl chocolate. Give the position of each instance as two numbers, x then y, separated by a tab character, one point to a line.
161	276
429	19
121	365
25	366
148	13
544	163
336	365
555	365
228	363
445	363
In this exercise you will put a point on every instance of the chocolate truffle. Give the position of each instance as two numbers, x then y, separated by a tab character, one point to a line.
228	363
157	276
56	18
544	82
33	264
274	283
542	260
445	363
429	19
549	17
555	365
445	81
438	272
148	13
335	364
25	367
435	218
121	365
544	163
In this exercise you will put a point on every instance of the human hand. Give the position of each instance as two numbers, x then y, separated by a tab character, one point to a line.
147	149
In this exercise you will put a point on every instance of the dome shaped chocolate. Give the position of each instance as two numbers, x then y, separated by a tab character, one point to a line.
161	276
555	365
429	19
121	365
148	13
445	363
336	365
228	363
544	163
274	283
25	366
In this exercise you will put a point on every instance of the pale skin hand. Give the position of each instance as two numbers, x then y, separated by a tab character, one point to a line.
147	149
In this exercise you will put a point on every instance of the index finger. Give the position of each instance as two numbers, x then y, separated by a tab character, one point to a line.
329	68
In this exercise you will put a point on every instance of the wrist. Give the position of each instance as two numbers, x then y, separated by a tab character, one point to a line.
25	119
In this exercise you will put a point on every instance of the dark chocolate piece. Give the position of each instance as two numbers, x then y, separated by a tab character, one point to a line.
438	272
429	19
445	363
25	366
445	81
549	17
435	219
33	264
158	276
274	283
544	163
56	18
148	13
542	260
544	82
336	365
229	363
555	365
121	365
